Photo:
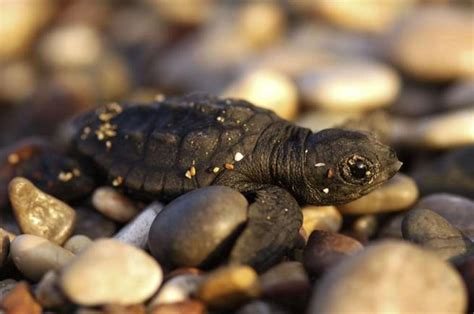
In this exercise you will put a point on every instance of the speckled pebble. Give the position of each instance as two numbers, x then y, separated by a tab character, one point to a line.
195	227
321	218
109	271
111	203
398	193
392	276
176	289
77	243
35	256
229	286
431	231
326	249
40	214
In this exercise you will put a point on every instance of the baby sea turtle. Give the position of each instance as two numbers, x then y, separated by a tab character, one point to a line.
165	149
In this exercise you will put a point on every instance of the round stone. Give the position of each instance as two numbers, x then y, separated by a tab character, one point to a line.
197	227
35	256
111	203
109	271
326	249
407	280
321	218
430	230
77	243
40	214
351	86
435	43
398	193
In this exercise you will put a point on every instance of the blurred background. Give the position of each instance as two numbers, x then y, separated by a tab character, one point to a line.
403	68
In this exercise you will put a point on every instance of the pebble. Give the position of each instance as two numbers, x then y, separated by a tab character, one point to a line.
364	227
183	307
177	289
111	203
452	172
6	286
47	293
350	86
40	214
4	250
195	228
390	276
19	300
123	309
321	218
465	267
262	307
267	89
109	271
435	43
11	236
93	224
77	243
460	95
326	249
458	210
428	229
35	256
136	231
229	286
398	193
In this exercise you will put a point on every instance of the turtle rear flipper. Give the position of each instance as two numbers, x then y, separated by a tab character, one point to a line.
272	229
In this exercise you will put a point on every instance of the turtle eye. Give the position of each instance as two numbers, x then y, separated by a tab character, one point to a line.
357	169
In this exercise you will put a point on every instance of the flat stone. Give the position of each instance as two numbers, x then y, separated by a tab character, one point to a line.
35	256
20	300
183	307
196	228
321	218
136	231
326	249
398	193
430	230
229	286
111	203
77	243
47	293
287	282
93	224
407	280
40	214
177	289
109	271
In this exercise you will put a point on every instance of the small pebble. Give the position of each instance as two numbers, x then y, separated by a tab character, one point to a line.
77	243
391	276
229	286
287	281
6	286
183	307
40	214
35	256
177	289
428	229
93	224
196	227
465	267
111	203
364	227
19	300
326	249
262	307
398	193
321	218
109	271
136	232
47	293
351	86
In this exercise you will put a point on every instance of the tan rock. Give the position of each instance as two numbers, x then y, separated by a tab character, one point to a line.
113	204
322	218
20	301
176	289
40	214
391	276
34	256
396	194
228	286
109	271
77	243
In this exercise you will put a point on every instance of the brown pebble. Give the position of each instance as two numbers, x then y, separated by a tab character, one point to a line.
287	280
124	309
5	287
185	307
113	204
4	250
40	214
326	249
20	301
48	292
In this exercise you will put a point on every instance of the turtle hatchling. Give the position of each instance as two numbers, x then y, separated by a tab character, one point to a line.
165	149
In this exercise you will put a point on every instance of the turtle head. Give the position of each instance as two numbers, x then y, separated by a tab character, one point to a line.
342	165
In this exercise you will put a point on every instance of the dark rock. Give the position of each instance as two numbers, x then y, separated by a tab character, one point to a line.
262	307
93	224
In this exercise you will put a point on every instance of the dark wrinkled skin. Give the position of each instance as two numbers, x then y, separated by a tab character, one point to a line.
154	147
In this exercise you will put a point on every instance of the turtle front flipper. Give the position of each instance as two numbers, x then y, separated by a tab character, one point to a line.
274	220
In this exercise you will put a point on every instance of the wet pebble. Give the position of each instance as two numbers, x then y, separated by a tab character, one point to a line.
93	224
398	193
109	271
183	307
351	86
34	256
177	289
40	214
19	300
326	249
428	229
136	231
111	203
77	243
48	293
209	216
407	280
321	218
229	286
